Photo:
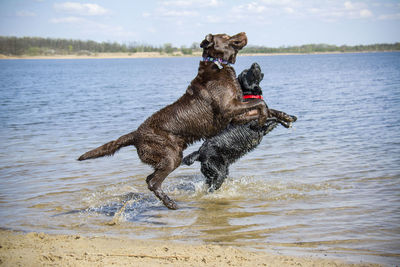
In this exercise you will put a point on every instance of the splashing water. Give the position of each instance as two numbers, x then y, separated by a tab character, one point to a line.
329	187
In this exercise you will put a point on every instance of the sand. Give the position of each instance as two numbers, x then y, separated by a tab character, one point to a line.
39	249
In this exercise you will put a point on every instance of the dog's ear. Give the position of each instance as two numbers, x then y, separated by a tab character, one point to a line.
242	77
207	42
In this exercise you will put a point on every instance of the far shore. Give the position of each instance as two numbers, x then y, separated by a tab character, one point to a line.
158	55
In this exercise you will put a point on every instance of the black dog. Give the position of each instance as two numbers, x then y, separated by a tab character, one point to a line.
211	102
220	151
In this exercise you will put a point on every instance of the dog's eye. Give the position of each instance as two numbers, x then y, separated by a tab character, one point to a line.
236	43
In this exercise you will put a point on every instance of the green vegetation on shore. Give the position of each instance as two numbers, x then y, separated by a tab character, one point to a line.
36	46
322	48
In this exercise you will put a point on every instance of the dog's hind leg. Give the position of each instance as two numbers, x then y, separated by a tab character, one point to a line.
215	173
167	165
222	174
154	182
208	173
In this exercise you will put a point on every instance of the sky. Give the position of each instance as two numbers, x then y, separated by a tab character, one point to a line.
272	23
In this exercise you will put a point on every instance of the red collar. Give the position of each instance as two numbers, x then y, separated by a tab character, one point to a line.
253	96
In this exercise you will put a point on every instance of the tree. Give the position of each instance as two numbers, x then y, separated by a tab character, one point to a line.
10	45
168	48
186	51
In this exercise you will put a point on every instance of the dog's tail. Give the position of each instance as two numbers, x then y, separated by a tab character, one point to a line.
191	158
111	147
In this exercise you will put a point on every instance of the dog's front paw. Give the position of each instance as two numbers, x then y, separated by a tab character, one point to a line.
169	203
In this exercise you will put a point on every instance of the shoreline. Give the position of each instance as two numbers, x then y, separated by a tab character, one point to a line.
163	55
103	56
38	249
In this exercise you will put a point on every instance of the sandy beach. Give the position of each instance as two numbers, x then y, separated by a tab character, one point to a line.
39	249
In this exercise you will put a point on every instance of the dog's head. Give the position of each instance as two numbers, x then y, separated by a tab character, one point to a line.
223	46
250	80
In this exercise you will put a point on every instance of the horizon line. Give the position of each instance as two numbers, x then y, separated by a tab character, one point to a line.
142	43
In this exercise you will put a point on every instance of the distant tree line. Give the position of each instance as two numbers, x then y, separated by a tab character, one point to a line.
321	48
49	46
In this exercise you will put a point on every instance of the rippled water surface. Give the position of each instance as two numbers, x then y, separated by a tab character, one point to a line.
329	186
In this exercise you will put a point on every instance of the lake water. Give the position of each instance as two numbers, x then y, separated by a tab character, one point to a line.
330	186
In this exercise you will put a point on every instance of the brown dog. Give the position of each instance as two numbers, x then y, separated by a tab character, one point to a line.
211	102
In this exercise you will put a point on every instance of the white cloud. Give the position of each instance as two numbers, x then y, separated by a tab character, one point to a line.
191	3
25	13
269	8
289	10
254	7
349	5
212	3
356	10
181	9
152	29
314	10
248	9
67	20
92	28
176	13
81	9
365	13
325	10
213	19
254	12
395	16
276	3
332	11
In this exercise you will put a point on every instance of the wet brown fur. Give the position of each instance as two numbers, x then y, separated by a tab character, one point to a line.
212	101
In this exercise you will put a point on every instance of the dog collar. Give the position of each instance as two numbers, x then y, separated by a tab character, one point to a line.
253	96
217	61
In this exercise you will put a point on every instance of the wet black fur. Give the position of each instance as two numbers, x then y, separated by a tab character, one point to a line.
211	102
220	151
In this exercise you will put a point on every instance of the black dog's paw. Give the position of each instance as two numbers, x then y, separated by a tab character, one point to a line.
191	158
269	126
187	161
